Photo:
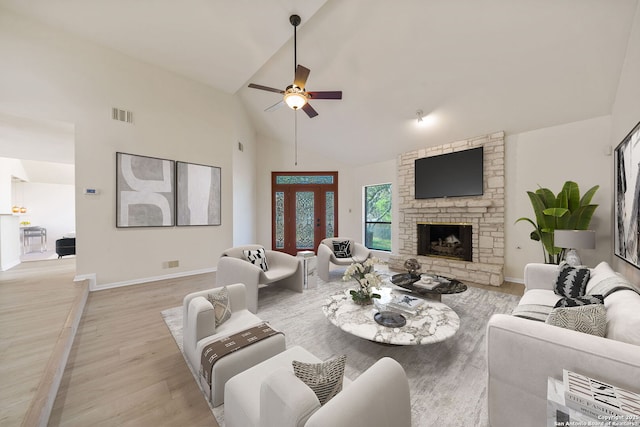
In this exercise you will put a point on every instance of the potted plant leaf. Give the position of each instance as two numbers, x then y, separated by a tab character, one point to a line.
565	211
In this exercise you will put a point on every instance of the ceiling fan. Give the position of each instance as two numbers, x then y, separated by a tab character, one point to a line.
295	95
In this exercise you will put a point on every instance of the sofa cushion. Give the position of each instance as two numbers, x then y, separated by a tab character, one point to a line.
578	301
342	248
221	305
325	379
590	319
571	281
257	257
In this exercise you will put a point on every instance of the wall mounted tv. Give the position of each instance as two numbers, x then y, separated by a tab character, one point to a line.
450	175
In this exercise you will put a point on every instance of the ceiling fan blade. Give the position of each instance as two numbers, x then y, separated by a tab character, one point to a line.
275	106
302	73
267	88
309	110
335	94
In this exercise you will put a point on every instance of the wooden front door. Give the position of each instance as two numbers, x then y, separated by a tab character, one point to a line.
304	209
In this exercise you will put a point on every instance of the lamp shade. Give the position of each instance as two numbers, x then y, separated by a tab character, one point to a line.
295	100
575	239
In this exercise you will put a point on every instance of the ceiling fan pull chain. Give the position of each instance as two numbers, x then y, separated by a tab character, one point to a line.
295	135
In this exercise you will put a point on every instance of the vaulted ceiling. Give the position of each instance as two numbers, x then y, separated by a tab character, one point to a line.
472	66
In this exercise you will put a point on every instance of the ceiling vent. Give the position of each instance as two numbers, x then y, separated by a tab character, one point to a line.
122	115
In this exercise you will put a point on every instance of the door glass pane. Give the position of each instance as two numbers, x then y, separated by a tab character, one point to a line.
304	179
330	215
279	220
304	219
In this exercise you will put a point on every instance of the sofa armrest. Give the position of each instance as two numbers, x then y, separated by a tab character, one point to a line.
235	270
364	401
522	353
285	401
540	276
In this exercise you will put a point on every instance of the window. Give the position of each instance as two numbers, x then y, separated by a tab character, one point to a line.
377	214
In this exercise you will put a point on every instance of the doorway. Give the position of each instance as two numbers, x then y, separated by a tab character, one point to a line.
304	209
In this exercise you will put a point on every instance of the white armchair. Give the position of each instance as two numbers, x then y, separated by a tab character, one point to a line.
270	395
326	255
284	270
200	330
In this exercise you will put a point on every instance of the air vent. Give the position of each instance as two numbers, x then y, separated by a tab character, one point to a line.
122	115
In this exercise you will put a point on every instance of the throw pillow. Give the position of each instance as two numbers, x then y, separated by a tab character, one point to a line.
342	248
221	305
578	301
590	319
257	257
325	379
571	281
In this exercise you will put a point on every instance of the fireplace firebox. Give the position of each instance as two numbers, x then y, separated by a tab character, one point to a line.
445	240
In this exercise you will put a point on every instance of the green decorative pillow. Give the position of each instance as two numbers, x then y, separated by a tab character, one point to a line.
590	319
221	305
325	379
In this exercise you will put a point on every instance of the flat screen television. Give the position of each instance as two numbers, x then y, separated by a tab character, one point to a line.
450	175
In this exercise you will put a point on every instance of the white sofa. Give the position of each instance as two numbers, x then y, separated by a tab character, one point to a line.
270	395
283	269
522	353
326	256
199	330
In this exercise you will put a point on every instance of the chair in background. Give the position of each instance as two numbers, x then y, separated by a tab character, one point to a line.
281	269
200	330
339	251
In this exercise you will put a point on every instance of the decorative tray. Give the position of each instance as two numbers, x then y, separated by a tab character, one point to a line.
390	319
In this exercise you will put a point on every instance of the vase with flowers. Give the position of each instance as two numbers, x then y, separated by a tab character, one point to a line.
367	279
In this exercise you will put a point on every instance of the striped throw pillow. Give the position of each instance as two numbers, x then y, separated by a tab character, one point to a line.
571	281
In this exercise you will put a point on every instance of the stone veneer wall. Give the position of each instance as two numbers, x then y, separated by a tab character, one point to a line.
485	213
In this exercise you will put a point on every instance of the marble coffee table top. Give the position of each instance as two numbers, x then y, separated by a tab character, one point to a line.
432	322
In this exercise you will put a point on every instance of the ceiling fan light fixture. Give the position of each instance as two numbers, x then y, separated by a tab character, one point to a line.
295	97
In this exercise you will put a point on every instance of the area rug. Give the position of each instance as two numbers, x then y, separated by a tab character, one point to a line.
447	379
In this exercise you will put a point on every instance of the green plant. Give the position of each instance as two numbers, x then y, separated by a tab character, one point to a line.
566	211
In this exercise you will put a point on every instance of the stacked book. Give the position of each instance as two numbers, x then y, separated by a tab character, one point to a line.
579	400
405	303
601	400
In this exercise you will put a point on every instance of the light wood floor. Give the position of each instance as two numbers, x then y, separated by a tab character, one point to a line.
124	368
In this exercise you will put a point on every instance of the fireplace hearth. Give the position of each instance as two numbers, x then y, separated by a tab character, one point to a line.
452	241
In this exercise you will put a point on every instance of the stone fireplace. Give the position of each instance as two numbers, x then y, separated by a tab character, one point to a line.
447	240
482	216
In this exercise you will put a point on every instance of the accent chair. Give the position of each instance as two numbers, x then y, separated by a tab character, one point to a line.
281	269
330	251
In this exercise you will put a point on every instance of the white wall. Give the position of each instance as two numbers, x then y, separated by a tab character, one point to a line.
625	115
47	74
244	179
547	158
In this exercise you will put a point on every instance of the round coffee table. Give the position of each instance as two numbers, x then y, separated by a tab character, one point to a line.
432	322
449	286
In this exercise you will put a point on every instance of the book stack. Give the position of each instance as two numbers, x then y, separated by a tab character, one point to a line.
405	303
601	400
579	400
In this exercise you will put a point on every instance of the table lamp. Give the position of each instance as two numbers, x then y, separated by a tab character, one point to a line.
572	240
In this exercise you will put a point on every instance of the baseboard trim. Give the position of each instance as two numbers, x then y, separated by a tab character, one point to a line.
9	265
94	286
514	280
41	405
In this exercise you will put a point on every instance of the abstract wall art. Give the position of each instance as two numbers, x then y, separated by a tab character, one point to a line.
627	198
198	194
145	191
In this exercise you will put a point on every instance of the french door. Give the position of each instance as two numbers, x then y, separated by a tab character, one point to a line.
304	209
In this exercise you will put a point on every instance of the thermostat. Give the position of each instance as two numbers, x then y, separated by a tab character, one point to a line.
90	191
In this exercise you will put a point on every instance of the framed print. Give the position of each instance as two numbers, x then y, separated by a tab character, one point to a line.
145	191
627	198
198	194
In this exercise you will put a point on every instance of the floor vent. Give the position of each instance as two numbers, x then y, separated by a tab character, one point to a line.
122	115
